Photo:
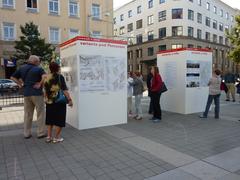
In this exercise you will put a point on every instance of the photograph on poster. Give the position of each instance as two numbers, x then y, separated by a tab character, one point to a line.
193	74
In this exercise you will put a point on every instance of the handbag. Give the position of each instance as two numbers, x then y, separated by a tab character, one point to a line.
61	98
163	88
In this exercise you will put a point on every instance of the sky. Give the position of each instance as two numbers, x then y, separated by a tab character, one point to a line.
233	3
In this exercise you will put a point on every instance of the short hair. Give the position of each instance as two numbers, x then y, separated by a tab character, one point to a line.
137	73
54	67
33	59
217	72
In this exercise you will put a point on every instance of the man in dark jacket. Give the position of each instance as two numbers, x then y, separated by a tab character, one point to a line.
230	80
149	79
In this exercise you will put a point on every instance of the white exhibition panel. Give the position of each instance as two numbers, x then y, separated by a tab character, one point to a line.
186	73
101	75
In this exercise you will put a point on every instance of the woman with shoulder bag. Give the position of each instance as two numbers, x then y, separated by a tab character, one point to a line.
56	96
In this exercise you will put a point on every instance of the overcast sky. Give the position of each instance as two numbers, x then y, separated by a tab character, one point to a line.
233	3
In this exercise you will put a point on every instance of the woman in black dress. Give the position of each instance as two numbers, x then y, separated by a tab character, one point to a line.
55	112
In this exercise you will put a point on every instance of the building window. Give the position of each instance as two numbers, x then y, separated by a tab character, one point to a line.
122	30
73	8
139	24
130	13
220	39
190	31
32	5
177	13
162	47
215	38
227	15
130	27
139	53
177	46
207	36
214	24
96	11
162	32
139	38
8	31
199	18
121	17
53	6
177	31
73	33
200	2
221	13
227	41
54	35
208	6
190	15
130	54
115	32
96	34
150	4
162	1
162	15
215	9
150	35
221	26
139	9
8	4
190	46
150	20
130	41
226	28
232	18
150	51
208	21
199	34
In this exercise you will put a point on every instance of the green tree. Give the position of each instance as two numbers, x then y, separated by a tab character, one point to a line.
31	43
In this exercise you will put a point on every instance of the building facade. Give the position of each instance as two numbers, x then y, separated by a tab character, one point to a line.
154	25
58	21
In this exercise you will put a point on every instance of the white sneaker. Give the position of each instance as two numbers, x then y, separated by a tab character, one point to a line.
57	140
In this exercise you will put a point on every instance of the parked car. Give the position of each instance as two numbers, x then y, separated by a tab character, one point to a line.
8	84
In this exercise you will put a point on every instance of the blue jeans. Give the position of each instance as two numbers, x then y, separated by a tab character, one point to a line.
216	99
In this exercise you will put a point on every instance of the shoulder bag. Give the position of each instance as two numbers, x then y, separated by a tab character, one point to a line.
61	98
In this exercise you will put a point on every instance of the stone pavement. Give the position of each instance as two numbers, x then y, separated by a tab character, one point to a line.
181	147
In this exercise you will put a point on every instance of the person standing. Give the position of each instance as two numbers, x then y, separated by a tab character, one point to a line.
138	93
29	77
55	111
130	92
214	94
156	85
149	79
229	80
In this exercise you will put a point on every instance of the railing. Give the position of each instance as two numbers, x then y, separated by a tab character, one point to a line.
10	97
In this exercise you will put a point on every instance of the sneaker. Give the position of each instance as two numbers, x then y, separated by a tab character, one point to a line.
48	139
139	118
57	140
227	100
202	116
156	120
42	136
28	137
234	100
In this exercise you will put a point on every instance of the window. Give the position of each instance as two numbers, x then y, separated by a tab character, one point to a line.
96	34
150	4
139	9
199	34
177	31
162	1
227	15
214	24
139	53
150	51
190	46
130	13
200	2
177	46
139	38
220	39
215	9
121	17
150	20
53	6
227	41
162	15
226	28
215	38
208	21
207	36
114	20
32	5
177	13
150	35
221	26
122	30
73	33
221	13
8	31
130	27
8	3
199	47
190	31
115	32
130	40
162	47
162	32
73	8
139	24
130	54
96	11
208	6
199	18
54	35
232	18
190	15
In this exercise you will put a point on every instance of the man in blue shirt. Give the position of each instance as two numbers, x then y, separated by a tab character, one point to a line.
29	77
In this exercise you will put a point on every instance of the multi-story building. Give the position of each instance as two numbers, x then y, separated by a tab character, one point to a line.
58	21
154	25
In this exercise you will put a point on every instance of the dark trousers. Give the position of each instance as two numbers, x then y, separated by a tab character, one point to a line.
216	99
157	113
150	110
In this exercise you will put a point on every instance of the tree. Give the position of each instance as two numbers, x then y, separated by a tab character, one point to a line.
32	44
234	36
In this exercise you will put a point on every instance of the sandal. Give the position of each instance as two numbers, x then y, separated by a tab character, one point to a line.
57	140
48	139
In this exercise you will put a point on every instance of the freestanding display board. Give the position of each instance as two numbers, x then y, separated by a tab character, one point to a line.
186	73
96	74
